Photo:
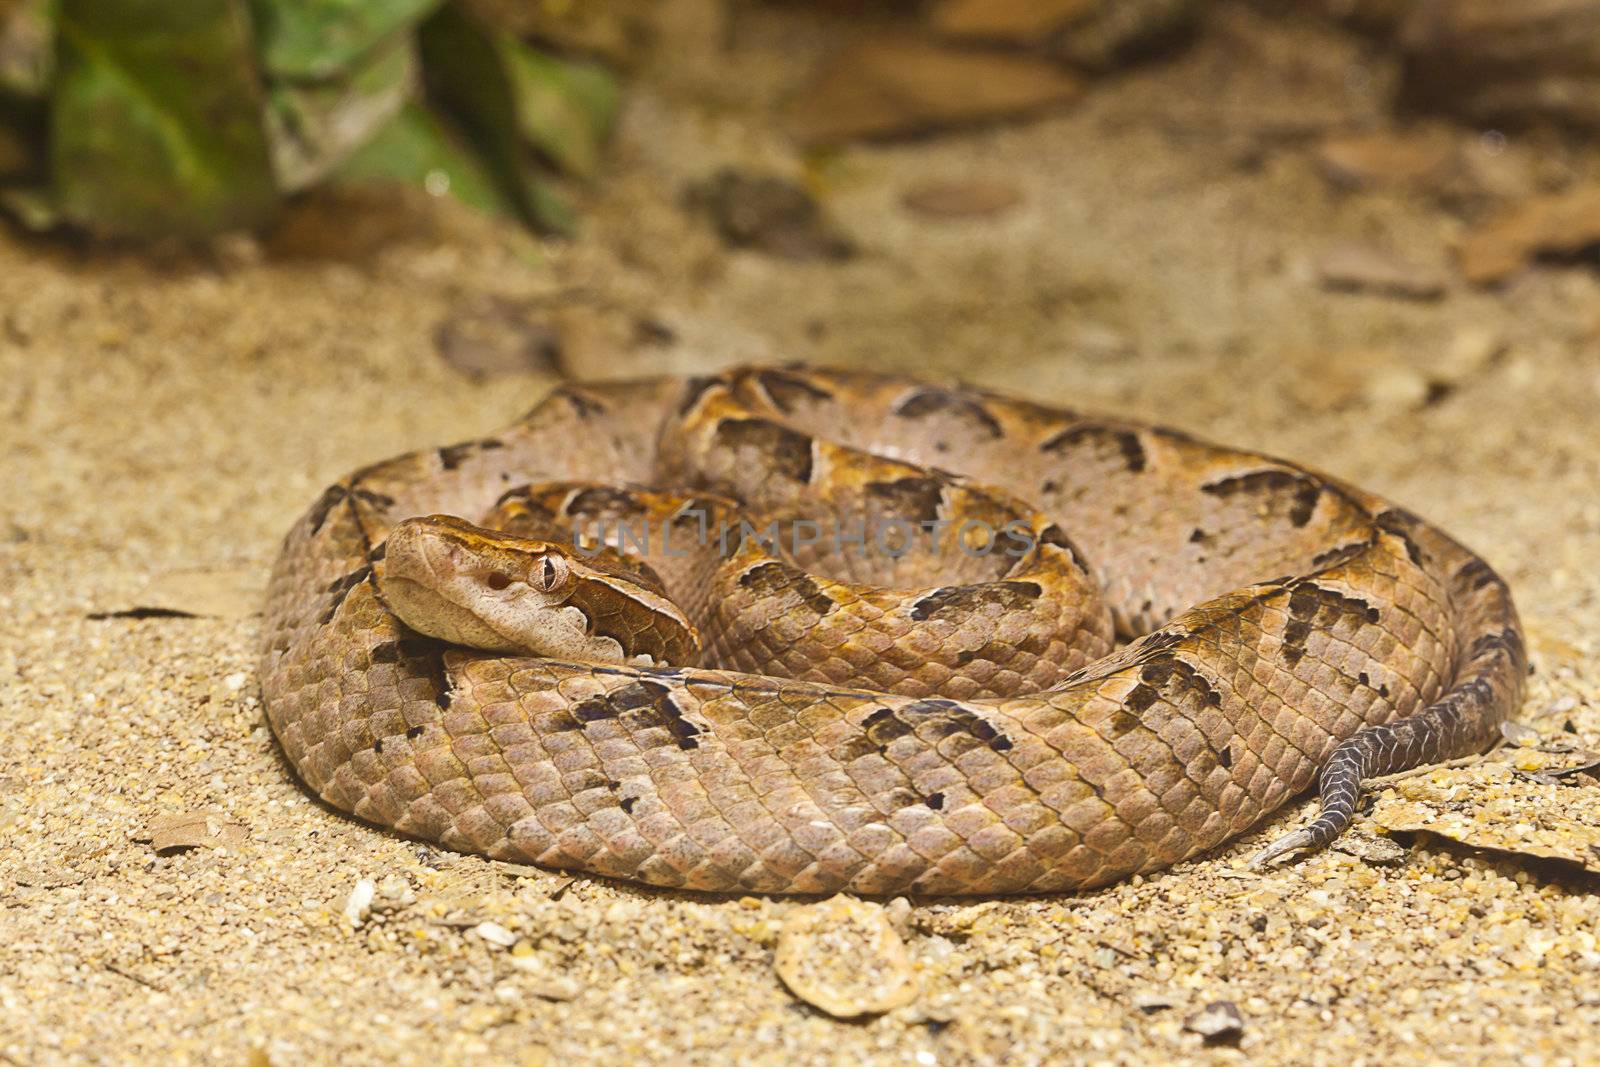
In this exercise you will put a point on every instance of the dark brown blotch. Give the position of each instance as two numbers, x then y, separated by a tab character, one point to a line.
916	498
584	405
1296	493
1312	606
330	497
788	391
452	456
962	600
1399	523
947	718
374	499
932	401
1109	442
785	582
693	390
641	704
786	452
599	501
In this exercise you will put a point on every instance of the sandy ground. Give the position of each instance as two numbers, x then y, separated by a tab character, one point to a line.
165	419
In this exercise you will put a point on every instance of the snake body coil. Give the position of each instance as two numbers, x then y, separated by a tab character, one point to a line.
1278	622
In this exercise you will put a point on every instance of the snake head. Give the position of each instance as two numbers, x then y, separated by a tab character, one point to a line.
447	578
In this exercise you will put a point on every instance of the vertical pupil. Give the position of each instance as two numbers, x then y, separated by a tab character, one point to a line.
549	574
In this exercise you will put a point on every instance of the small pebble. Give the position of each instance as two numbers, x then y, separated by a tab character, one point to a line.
359	904
1218	1022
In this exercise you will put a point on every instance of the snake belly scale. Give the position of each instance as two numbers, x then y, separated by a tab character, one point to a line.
1279	627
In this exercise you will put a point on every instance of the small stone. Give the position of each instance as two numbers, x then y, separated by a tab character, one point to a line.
495	934
1218	1022
1150	1003
1371	849
235	681
1396	386
844	957
1518	734
359	904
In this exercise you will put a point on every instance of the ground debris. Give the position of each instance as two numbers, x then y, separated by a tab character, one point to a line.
496	335
211	592
1363	268
897	87
1562	224
767	213
1384	158
844	957
192	829
1017	21
1486	806
1219	1022
961	199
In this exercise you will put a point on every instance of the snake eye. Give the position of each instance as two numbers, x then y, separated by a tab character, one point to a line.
550	574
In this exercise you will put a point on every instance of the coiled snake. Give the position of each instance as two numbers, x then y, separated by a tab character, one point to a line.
1274	623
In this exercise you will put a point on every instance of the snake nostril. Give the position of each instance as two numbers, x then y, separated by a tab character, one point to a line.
496	580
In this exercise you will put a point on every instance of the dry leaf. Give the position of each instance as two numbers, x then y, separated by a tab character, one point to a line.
888	88
1561	225
844	957
192	829
1363	269
1484	806
961	199
213	592
1384	159
1023	21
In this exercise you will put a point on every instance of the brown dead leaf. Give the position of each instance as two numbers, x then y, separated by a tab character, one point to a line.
1384	159
1563	224
1021	21
1491	807
894	88
1365	269
844	957
212	592
192	829
961	199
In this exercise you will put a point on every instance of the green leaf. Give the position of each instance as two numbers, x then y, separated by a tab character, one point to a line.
156	121
420	149
315	40
565	108
465	66
313	128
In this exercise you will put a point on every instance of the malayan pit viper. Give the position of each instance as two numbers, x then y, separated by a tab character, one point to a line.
1185	637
